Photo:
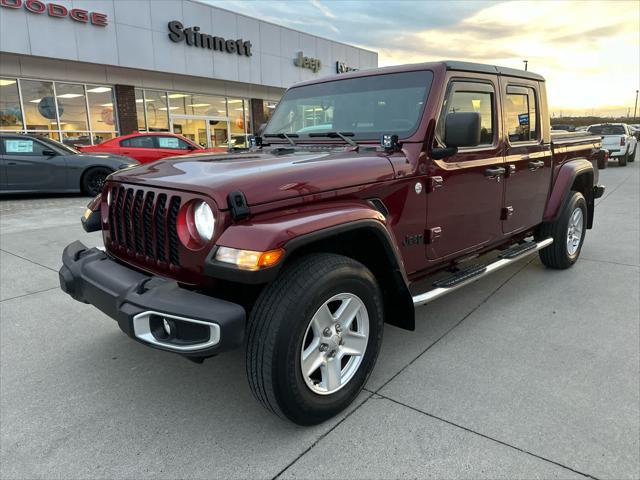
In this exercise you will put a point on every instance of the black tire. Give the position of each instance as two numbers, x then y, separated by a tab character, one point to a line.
93	180
602	162
557	254
622	161
277	327
632	155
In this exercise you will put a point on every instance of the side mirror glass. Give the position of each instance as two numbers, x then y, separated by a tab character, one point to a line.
462	129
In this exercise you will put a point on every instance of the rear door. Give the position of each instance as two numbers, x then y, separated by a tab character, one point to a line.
464	212
527	156
142	148
33	165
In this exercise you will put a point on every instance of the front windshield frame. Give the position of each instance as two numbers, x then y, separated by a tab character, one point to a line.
422	79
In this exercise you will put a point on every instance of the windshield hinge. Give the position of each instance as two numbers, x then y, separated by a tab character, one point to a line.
435	183
238	205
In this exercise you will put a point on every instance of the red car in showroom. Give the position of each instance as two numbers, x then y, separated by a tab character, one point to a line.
149	146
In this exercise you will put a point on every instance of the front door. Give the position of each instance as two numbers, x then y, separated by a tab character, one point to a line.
208	132
195	129
463	213
219	133
527	157
32	165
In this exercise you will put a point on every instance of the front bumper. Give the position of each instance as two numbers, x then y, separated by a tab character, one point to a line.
152	310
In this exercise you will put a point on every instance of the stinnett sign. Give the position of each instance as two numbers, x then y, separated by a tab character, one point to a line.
192	37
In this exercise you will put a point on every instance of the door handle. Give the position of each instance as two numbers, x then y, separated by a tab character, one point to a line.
536	165
493	172
12	163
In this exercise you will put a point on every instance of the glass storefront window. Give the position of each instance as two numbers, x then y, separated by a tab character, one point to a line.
101	108
268	108
236	120
197	105
52	135
72	106
76	138
10	111
39	105
157	113
142	121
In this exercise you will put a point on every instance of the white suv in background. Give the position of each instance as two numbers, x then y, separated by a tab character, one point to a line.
618	139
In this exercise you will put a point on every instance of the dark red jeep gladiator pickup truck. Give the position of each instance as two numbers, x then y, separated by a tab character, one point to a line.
367	195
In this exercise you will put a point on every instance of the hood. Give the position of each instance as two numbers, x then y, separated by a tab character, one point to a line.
263	176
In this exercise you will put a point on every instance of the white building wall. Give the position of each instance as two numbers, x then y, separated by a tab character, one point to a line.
137	38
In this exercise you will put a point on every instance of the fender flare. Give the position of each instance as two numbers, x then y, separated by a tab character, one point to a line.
313	224
561	188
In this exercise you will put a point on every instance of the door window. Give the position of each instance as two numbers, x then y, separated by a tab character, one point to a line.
520	114
472	97
172	143
23	146
138	142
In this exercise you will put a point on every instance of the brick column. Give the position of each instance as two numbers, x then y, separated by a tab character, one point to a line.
126	108
257	114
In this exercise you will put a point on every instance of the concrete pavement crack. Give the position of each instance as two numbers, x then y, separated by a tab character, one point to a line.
302	454
27	294
28	260
449	422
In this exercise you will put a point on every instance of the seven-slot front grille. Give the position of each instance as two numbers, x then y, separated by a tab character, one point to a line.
145	223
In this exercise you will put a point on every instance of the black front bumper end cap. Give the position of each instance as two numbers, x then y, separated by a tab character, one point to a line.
598	191
127	295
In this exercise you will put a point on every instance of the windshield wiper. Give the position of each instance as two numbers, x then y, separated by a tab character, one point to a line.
288	136
343	135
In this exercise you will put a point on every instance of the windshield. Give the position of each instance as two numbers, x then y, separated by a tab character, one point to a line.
58	145
607	130
364	106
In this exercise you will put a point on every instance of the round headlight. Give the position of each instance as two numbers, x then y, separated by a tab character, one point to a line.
204	220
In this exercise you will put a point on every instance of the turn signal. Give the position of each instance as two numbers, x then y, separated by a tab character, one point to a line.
249	259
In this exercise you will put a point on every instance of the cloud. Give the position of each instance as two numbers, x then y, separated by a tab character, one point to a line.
588	51
326	11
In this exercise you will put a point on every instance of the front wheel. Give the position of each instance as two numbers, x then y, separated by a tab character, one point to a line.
313	337
567	232
93	180
632	155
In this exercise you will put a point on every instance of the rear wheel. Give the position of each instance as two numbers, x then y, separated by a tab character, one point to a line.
313	338
93	180
622	161
568	233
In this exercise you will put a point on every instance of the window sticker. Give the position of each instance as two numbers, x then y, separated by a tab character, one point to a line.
19	146
523	118
168	142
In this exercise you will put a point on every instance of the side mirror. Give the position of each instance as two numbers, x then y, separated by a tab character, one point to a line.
192	147
49	153
462	129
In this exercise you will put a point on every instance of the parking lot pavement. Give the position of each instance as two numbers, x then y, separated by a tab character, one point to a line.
529	373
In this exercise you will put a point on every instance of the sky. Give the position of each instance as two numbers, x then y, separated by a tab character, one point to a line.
589	51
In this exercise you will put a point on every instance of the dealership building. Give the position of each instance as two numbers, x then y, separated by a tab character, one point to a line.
84	71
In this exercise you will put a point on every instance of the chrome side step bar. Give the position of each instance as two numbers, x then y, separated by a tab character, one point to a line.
501	262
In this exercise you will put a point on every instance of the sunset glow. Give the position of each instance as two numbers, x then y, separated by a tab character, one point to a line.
588	51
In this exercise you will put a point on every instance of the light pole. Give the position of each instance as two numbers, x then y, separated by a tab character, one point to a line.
526	62
635	107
